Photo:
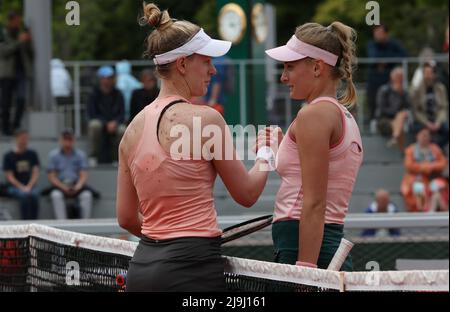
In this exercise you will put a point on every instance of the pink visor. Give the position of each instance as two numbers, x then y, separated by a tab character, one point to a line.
295	50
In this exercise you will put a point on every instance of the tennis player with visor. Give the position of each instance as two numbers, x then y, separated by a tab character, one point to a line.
166	197
320	155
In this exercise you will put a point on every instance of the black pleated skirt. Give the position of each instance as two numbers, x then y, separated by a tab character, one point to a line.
187	264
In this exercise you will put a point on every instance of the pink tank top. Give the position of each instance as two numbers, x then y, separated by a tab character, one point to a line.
175	196
345	159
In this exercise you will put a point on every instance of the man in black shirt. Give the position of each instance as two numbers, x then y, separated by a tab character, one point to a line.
144	96
382	46
16	69
106	113
21	167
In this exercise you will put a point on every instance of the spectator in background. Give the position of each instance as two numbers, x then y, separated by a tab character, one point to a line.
424	163
106	118
144	96
61	84
442	68
126	83
382	204
392	109
21	167
67	173
425	56
382	46
16	67
430	105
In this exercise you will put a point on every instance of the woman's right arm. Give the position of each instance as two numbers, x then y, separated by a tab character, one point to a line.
127	205
245	187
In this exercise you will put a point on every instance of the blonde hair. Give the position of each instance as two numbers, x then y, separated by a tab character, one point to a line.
168	35
338	39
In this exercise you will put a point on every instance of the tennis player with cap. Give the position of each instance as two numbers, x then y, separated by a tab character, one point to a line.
165	196
321	153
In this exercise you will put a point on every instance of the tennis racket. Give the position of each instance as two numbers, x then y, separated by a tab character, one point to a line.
341	254
245	228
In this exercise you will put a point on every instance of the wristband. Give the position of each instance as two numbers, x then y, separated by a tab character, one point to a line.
267	154
306	264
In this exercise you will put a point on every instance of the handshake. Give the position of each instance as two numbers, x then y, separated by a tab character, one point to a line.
266	148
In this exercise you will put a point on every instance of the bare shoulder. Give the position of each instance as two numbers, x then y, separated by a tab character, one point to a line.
132	134
320	112
187	119
189	115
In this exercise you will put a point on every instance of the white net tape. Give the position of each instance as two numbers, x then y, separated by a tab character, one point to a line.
92	242
284	272
345	281
397	281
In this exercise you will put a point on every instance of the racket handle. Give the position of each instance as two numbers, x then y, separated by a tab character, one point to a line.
341	254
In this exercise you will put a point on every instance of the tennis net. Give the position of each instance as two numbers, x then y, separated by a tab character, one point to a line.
40	258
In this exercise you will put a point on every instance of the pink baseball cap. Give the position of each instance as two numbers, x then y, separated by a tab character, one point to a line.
295	50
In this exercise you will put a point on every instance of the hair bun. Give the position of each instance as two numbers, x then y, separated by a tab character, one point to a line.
154	17
152	14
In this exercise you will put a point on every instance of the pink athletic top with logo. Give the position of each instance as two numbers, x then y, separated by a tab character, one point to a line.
175	196
345	159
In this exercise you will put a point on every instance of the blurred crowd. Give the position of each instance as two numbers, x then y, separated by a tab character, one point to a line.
412	116
418	114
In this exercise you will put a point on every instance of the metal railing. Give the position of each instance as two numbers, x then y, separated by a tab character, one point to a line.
352	222
242	68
